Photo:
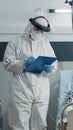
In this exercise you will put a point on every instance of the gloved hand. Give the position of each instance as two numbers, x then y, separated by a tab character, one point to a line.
47	68
29	61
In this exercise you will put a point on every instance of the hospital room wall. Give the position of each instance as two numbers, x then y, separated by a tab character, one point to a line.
14	14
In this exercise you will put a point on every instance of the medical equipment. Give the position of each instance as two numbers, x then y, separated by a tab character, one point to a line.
41	23
41	63
35	35
47	68
68	123
29	61
66	86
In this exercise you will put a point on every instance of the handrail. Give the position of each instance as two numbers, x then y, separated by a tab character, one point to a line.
62	115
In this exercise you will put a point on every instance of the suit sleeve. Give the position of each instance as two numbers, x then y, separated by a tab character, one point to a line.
10	62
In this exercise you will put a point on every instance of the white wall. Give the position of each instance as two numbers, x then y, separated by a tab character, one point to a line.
14	15
4	94
16	12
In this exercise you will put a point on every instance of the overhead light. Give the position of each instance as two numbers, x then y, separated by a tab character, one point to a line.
63	10
59	11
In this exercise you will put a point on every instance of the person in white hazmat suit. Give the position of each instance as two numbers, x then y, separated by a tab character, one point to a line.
29	92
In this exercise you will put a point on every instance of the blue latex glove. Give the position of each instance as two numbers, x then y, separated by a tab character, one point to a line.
29	61
47	68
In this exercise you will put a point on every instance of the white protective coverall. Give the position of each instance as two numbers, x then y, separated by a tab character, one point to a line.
29	93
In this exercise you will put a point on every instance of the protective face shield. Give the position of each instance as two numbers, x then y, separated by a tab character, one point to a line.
41	23
35	35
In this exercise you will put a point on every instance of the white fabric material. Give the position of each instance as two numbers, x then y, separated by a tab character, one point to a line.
42	21
29	93
40	12
35	35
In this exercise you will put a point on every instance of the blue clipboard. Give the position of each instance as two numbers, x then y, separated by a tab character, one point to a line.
36	66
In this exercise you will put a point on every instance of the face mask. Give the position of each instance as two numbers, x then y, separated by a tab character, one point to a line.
35	35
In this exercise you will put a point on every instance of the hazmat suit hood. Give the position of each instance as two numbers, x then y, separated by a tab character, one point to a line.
38	20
